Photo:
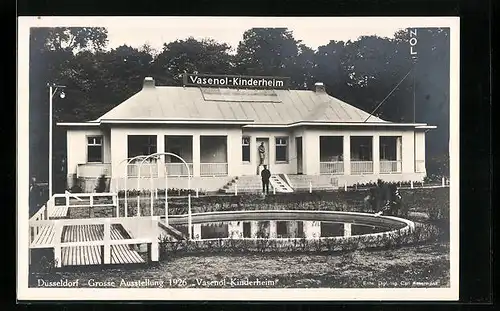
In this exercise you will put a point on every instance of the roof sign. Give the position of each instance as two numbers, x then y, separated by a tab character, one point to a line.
252	82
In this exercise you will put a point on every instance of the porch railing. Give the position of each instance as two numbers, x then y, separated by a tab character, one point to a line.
178	169
388	167
361	167
420	166
328	168
93	169
213	169
146	170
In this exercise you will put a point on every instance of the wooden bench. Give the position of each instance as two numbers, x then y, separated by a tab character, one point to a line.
44	237
92	254
59	212
121	254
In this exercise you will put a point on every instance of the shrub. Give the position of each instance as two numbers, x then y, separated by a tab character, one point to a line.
172	192
421	234
101	184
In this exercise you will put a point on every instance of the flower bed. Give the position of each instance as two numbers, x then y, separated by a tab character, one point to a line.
421	233
433	202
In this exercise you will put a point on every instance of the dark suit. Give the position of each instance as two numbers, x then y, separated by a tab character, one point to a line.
265	174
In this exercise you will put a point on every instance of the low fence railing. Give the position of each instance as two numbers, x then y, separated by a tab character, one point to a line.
328	168
178	169
90	200
388	167
361	167
148	234
145	170
93	169
213	169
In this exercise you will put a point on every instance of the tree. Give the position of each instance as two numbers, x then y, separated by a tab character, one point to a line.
432	95
375	66
275	52
331	68
51	52
191	56
69	39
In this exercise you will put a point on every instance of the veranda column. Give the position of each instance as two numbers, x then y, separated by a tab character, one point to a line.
347	229
160	143
197	231
253	153
376	154
196	155
272	229
254	228
347	154
398	153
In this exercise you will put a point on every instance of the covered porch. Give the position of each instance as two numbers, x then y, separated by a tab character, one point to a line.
212	154
360	155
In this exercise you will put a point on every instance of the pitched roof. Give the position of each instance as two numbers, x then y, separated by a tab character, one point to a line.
278	107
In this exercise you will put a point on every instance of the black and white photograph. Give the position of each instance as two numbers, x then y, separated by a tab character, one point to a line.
275	159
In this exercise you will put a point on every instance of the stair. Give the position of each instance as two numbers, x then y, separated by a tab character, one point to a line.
253	184
279	184
245	184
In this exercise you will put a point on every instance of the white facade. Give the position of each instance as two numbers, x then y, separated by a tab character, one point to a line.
410	154
218	131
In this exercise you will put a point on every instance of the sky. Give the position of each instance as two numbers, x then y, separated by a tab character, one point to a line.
311	33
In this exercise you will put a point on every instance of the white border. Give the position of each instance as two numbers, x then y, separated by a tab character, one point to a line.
25	293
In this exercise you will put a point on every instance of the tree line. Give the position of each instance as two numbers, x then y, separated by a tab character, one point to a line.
362	72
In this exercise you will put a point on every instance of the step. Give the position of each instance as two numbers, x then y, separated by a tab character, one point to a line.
279	184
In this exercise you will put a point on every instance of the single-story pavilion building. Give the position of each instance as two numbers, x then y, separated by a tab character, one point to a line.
216	125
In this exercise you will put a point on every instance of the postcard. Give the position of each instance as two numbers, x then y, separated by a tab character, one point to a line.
238	158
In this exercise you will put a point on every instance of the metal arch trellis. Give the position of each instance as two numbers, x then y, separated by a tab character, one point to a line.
189	187
126	176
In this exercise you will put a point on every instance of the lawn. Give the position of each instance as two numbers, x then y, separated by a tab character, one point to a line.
416	266
421	265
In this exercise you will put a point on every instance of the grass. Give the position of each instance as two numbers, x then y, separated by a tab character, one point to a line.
421	266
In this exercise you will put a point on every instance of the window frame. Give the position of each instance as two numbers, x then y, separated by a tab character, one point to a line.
149	143
286	146
101	137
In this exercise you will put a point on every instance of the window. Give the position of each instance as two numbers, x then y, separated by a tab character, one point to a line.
247	230
94	149
365	153
141	145
245	149
281	149
281	228
383	152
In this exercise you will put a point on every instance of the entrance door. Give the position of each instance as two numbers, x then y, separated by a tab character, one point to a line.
266	147
298	144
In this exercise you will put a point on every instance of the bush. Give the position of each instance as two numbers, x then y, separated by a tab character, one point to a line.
421	234
170	192
76	189
101	184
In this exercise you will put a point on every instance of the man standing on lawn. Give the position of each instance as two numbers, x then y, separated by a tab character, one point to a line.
265	174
